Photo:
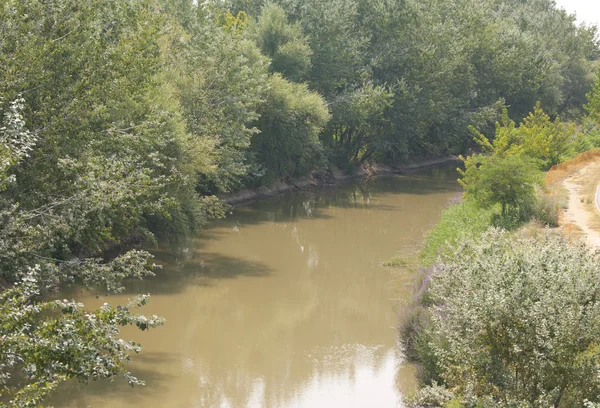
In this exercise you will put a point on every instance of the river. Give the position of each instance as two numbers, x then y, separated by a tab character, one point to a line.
284	304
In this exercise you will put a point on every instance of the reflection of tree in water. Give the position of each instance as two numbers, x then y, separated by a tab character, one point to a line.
359	194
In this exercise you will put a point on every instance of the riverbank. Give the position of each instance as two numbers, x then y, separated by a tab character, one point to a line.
333	177
499	283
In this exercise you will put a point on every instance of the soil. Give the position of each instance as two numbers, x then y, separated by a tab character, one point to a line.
577	213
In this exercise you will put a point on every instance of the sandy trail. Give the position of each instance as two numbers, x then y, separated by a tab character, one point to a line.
576	214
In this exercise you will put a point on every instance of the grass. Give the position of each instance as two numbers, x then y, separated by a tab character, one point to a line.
561	171
398	261
460	220
560	194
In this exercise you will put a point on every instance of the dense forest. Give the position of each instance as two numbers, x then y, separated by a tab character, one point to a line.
123	121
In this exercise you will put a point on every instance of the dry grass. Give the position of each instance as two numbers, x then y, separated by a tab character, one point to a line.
572	232
561	171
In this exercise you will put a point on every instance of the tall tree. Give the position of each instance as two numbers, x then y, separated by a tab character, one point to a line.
290	122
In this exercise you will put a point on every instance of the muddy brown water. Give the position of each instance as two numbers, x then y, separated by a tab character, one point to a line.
284	304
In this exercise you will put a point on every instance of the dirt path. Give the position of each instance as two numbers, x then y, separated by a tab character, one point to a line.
598	197
576	213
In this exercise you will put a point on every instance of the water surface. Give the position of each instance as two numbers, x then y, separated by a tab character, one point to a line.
284	304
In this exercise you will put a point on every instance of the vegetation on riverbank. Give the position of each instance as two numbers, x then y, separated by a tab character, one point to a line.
507	316
513	322
121	122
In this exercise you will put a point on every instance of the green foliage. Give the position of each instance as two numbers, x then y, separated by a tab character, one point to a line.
120	120
591	122
507	173
546	210
16	141
552	142
515	321
508	181
504	139
338	42
359	122
234	24
547	141
221	78
441	81
111	147
283	42
290	122
431	397
459	221
593	101
95	156
47	342
462	220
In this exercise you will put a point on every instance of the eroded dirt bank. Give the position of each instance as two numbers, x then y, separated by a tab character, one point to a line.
334	177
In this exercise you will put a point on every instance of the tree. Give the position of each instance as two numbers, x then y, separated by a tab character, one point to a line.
120	120
441	82
591	122
47	342
290	122
359	123
112	157
515	322
546	141
593	101
283	42
549	141
508	181
220	76
94	157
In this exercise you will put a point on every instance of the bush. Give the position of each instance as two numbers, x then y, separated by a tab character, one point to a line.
515	321
545	210
291	118
508	181
431	397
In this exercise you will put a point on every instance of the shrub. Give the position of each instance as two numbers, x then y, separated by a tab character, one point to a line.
430	397
508	181
545	210
515	321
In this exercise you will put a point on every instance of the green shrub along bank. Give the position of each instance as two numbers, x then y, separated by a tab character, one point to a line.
511	321
465	219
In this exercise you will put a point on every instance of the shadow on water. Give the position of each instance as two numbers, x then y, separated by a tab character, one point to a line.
201	269
353	194
219	266
190	266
